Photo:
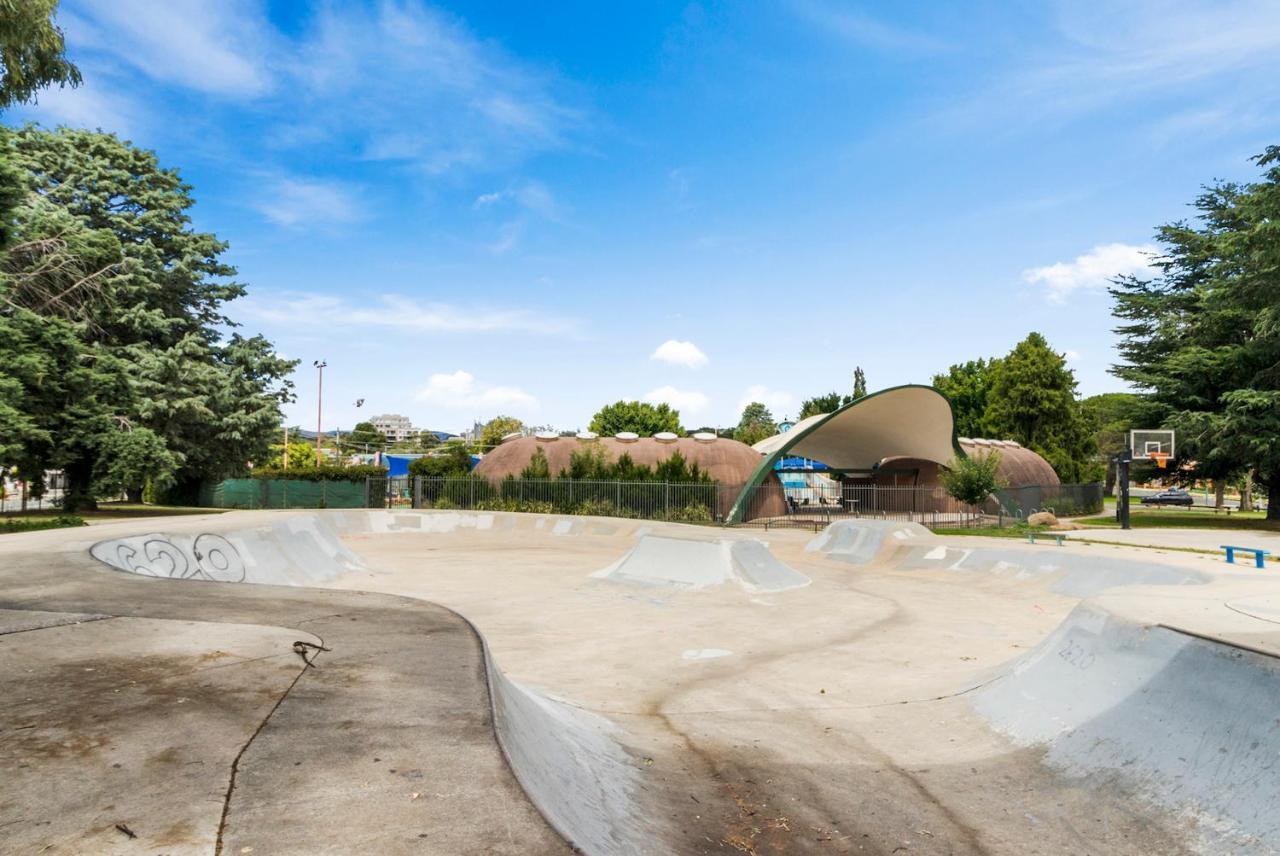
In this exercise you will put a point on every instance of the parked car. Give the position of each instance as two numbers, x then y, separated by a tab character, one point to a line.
1172	496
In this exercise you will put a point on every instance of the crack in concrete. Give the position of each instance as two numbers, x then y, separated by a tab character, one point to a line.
85	620
235	763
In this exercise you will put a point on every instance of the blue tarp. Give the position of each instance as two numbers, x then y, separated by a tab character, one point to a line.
398	465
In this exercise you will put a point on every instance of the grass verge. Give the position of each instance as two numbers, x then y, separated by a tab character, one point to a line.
35	524
1166	519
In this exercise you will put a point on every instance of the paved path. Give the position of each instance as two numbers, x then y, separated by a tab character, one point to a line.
1197	539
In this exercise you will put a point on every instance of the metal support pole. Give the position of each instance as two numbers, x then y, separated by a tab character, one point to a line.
1122	476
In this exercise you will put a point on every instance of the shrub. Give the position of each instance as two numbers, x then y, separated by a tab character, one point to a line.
453	462
694	512
972	479
318	474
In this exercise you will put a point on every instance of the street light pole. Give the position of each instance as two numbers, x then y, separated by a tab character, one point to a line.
319	364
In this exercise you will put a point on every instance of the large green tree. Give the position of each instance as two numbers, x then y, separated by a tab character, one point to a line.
639	417
33	51
968	386
101	250
1110	416
755	425
497	428
828	403
1032	399
364	438
1202	338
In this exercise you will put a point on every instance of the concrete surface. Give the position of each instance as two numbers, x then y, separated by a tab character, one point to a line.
1196	539
916	695
386	745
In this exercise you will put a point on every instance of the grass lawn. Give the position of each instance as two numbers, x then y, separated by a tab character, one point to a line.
32	523
10	521
1165	518
1016	530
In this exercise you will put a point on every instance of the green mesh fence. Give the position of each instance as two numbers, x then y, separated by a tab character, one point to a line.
293	493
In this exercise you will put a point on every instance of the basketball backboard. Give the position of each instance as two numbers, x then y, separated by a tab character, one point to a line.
1146	444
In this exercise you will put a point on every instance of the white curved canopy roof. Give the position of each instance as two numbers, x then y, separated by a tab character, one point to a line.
904	422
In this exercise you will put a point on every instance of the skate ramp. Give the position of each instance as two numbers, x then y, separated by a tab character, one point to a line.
297	550
660	561
911	547
1154	714
859	541
569	761
1071	574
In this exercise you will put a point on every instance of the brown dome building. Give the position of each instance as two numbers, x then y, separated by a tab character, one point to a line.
728	462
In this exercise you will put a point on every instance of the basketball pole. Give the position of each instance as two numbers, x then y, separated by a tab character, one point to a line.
1122	475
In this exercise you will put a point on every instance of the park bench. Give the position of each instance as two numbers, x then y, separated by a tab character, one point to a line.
1056	536
1259	556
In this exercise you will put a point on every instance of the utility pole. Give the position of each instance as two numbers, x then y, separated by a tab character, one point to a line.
319	364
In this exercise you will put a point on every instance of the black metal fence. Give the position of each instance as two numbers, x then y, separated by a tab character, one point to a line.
700	502
767	505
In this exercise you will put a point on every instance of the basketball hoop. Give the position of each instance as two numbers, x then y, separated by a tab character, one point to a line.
1161	459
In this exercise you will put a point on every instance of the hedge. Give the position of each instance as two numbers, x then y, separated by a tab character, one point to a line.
317	474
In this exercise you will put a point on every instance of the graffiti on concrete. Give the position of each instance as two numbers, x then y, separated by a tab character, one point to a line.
205	557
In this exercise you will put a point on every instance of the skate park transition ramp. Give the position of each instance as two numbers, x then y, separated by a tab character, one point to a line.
676	689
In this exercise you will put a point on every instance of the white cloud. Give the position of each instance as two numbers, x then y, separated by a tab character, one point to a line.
677	353
86	106
1071	356
394	311
220	47
508	236
459	390
413	84
1199	55
308	202
531	195
1093	271
779	402
685	400
864	30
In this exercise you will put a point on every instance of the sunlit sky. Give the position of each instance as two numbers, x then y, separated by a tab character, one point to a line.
536	209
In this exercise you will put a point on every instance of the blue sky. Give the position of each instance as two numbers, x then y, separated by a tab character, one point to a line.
474	208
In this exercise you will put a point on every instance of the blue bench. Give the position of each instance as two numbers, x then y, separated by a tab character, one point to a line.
1259	556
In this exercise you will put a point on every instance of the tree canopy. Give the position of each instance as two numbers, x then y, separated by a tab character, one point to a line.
451	461
968	386
639	417
33	51
1202	338
828	403
497	428
1029	395
104	283
755	425
1032	400
364	438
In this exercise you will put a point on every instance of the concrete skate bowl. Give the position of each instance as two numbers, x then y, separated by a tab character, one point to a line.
1153	714
1143	712
567	760
652	743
